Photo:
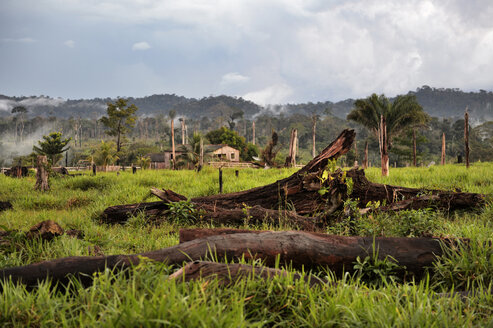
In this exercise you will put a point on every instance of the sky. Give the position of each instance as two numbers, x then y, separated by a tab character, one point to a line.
267	51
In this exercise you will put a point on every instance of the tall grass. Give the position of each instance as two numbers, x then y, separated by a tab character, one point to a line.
145	297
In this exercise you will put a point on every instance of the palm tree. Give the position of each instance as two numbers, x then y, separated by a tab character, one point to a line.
172	115
387	119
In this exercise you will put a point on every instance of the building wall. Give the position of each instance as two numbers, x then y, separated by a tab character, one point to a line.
228	153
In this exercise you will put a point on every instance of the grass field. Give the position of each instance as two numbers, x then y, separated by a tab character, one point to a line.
146	298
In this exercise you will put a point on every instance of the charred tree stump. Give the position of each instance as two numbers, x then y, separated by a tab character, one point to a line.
42	174
296	248
228	274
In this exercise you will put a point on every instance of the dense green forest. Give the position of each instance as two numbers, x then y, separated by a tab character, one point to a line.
80	119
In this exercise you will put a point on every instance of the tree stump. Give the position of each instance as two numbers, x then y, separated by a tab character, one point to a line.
42	174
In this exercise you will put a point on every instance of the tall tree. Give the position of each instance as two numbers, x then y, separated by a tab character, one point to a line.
121	118
387	119
172	115
52	146
20	112
315	118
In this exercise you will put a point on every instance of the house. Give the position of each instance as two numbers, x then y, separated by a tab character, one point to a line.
217	152
223	152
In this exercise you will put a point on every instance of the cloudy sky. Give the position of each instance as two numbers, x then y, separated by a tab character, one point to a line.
268	51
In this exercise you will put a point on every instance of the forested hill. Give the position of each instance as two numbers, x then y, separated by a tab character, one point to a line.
437	102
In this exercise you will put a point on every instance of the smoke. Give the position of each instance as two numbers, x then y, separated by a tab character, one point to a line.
9	148
8	104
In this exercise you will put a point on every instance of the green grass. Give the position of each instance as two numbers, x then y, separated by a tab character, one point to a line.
147	298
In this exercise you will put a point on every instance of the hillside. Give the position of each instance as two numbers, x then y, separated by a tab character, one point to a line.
438	102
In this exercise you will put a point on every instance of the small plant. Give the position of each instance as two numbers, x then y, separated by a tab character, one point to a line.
375	271
183	212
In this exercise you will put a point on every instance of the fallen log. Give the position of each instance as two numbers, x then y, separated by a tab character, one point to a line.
401	198
300	249
197	233
159	211
232	272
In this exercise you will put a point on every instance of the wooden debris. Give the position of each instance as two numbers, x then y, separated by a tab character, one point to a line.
46	230
300	249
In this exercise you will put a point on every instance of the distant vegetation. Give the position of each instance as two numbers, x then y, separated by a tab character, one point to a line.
80	119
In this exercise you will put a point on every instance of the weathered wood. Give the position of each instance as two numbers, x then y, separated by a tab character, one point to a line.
158	211
42	174
46	230
367	191
5	206
466	136
290	190
443	149
198	233
414	147
17	172
228	274
297	248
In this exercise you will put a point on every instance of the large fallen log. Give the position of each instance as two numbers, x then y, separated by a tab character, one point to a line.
410	198
159	211
297	248
232	272
185	235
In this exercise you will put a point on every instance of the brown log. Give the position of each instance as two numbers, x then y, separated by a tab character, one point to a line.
158	211
230	273
367	191
198	233
297	248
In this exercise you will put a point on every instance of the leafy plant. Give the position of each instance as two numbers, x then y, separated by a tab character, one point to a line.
375	271
183	212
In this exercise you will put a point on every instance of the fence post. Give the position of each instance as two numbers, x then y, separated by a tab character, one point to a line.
220	181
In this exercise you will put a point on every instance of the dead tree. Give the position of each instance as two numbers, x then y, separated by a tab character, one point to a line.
443	149
296	248
414	147
466	136
291	158
42	173
253	132
365	161
384	150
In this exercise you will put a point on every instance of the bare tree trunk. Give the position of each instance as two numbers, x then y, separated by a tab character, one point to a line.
443	148
355	153
42	174
201	158
365	162
253	132
414	147
314	129
173	144
291	159
182	122
384	152
466	136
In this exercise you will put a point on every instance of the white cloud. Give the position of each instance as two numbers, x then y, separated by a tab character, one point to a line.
274	94
296	50
233	78
20	40
141	46
70	43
